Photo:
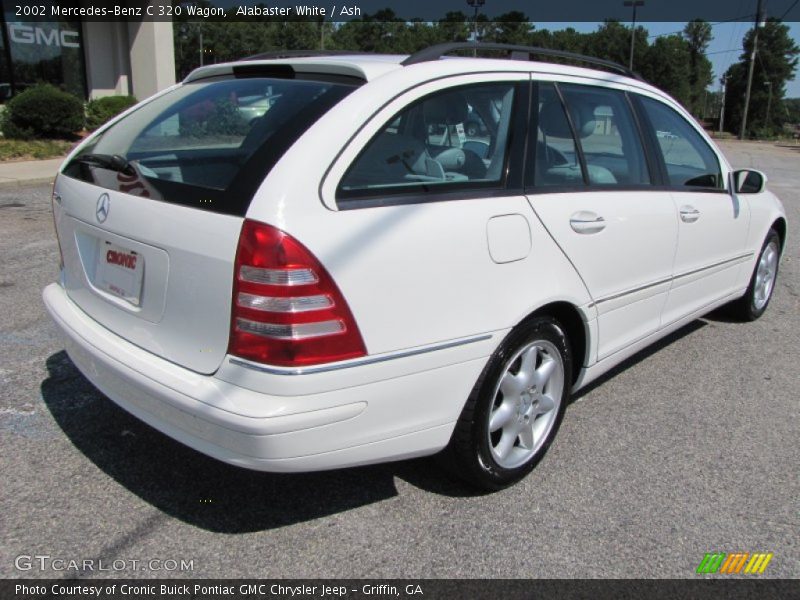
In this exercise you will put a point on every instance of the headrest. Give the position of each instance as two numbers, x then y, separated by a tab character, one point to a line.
446	109
584	119
553	121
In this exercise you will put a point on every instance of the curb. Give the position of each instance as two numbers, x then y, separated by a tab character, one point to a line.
20	183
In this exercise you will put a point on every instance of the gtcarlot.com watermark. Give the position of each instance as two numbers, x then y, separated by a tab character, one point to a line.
45	562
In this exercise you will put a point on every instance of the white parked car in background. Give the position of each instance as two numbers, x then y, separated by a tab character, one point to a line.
345	278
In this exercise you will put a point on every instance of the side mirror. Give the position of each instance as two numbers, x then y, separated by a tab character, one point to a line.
749	181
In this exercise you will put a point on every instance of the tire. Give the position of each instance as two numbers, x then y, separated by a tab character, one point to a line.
762	282
521	394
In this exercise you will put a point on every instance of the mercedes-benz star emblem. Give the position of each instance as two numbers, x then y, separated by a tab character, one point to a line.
103	206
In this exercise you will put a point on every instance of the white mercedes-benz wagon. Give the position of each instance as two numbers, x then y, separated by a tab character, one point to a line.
309	262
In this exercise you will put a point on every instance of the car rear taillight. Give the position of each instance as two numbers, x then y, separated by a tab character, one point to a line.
287	310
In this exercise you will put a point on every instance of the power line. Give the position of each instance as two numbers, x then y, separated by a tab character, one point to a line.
735	28
736	32
788	10
723	51
742	18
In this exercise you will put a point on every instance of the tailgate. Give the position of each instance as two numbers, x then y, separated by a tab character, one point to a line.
157	274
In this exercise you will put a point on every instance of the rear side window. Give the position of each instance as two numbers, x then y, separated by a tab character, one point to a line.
610	140
688	159
556	161
450	140
208	143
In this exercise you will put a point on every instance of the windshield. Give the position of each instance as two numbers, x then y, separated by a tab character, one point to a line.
207	144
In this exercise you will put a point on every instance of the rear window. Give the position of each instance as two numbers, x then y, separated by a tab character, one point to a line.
207	144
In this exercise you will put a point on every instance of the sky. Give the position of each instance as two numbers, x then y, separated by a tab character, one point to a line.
723	50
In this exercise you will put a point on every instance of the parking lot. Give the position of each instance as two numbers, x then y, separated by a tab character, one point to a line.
690	447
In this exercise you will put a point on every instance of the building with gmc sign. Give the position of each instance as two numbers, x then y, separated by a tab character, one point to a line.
89	58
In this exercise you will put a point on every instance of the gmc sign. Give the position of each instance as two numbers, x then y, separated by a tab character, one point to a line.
29	34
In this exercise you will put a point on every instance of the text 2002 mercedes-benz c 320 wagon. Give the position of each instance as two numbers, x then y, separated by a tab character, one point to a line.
305	263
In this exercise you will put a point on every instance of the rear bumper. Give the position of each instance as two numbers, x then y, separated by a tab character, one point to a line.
365	414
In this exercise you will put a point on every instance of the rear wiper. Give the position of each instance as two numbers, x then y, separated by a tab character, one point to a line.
113	162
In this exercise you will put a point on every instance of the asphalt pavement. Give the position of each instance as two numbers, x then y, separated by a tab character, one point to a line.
690	447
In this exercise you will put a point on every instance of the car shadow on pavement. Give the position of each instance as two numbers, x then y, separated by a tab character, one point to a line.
722	315
212	495
643	354
203	491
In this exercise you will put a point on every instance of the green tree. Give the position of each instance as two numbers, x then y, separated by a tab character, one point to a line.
791	108
665	64
455	27
296	35
698	35
382	32
570	40
419	34
510	28
612	41
776	61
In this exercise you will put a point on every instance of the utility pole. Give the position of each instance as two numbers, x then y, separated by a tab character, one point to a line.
743	131
475	4
722	108
769	101
634	4
201	44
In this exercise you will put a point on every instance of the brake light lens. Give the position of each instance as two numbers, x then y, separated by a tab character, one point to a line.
287	310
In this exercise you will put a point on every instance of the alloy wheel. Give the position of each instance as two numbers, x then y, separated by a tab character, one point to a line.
765	275
527	399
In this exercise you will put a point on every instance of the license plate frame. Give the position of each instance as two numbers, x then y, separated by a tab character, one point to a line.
119	272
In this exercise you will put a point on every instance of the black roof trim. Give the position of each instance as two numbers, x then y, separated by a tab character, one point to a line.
436	52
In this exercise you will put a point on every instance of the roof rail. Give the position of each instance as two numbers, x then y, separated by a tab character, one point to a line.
275	54
515	52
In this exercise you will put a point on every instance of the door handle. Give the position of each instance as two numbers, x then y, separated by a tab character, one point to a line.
689	214
587	222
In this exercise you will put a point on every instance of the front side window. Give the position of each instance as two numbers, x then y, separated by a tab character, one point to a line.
610	140
688	158
454	139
